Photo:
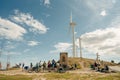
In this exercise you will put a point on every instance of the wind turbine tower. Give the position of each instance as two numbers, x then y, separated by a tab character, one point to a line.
80	48
72	25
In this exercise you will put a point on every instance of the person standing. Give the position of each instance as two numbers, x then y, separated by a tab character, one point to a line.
53	63
44	66
40	65
31	65
49	65
37	66
23	66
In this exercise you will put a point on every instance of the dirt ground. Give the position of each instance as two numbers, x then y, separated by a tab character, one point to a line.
40	75
20	72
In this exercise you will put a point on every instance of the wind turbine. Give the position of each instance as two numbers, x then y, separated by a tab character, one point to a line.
72	25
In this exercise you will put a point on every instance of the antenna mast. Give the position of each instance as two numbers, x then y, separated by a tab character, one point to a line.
97	57
8	61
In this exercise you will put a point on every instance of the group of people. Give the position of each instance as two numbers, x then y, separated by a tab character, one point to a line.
99	67
50	65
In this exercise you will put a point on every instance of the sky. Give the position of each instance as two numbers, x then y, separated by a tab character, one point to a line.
34	30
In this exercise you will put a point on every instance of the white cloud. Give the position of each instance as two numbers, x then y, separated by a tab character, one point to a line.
103	13
11	53
33	43
27	19
10	30
97	9
46	3
106	41
26	50
47	15
96	5
9	45
61	47
113	1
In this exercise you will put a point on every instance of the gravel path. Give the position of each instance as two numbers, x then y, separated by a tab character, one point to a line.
115	68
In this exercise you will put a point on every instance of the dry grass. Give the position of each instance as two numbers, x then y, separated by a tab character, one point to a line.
86	62
15	77
63	76
72	75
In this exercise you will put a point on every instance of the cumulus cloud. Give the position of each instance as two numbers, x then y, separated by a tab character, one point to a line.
103	13
26	50
27	19
106	41
96	5
100	7
61	47
11	53
33	43
10	30
46	3
8	45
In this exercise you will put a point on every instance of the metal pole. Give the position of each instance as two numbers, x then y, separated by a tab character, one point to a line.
80	48
97	59
73	41
76	51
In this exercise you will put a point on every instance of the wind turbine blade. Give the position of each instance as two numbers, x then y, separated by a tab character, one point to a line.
70	31
71	18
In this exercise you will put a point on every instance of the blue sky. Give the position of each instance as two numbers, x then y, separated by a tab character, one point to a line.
34	30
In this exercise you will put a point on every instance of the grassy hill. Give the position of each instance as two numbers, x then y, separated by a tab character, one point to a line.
70	75
85	62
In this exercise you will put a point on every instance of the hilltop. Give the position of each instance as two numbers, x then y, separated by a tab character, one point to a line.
85	62
79	74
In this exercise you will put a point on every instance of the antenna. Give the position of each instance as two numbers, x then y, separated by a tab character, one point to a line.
72	25
97	57
8	61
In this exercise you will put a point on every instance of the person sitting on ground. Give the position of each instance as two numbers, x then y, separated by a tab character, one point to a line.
106	68
60	69
95	64
75	66
92	67
26	67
